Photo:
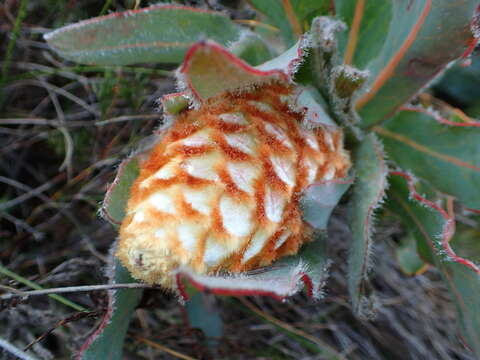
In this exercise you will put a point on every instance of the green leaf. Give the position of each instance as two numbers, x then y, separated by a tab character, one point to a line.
157	34
204	315
107	341
210	69
117	196
466	243
281	16
174	103
422	230
445	156
464	287
461	84
252	48
462	281
323	55
345	83
373	30
368	191
407	256
418	39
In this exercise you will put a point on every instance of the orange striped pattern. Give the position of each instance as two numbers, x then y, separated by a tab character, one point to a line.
220	192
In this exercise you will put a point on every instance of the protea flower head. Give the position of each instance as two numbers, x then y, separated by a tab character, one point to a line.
220	192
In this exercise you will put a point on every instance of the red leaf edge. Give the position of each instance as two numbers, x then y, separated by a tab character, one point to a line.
213	46
475	26
293	65
167	97
107	316
473	210
449	228
439	118
104	209
235	292
368	232
471	47
106	319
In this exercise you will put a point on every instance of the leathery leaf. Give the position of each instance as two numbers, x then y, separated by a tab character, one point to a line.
434	230
156	34
368	192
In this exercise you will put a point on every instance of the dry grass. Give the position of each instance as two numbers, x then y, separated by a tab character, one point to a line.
63	130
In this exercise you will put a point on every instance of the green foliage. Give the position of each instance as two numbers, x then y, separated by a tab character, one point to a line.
368	193
431	229
294	20
146	36
461	86
202	314
402	46
407	256
422	38
119	192
419	143
252	48
115	86
107	341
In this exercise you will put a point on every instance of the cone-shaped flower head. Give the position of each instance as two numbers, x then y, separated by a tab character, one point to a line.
220	191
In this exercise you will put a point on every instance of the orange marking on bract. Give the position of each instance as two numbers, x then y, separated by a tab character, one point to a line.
188	151
187	211
230	186
271	176
260	201
181	132
194	182
231	152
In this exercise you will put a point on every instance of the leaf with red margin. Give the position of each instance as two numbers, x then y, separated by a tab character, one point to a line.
290	60
368	192
444	153
209	69
174	103
283	279
107	340
156	34
290	18
434	228
422	38
118	193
